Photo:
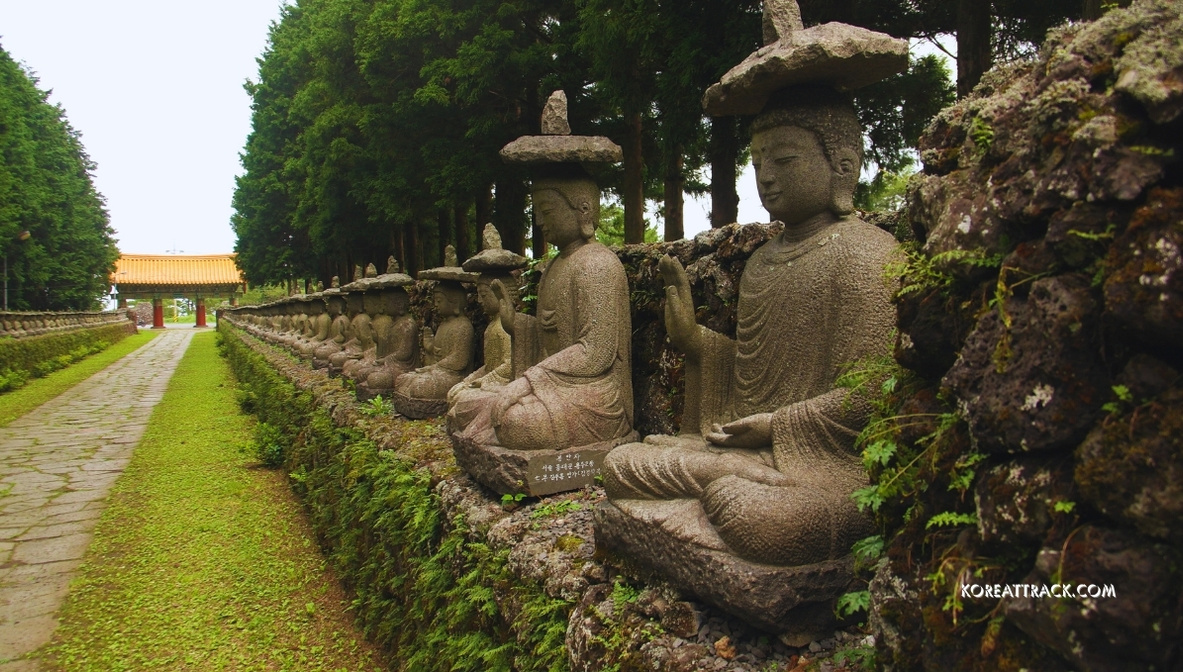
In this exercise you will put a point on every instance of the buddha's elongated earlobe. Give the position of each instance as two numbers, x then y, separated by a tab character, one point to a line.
843	181
587	223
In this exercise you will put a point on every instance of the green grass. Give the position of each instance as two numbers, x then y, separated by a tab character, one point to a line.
40	390
202	560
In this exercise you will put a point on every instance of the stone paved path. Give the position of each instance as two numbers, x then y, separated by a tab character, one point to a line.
56	466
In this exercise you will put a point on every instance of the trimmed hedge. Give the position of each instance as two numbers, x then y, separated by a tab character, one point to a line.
430	590
37	356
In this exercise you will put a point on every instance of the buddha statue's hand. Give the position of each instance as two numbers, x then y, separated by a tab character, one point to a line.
679	308
427	338
507	397
506	309
754	431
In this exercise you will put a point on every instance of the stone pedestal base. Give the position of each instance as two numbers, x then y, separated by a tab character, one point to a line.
795	602
364	393
535	472
417	409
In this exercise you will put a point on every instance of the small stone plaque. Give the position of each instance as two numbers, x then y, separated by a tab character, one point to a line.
561	471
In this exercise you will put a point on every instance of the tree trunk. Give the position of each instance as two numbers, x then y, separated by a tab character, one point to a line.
415	256
724	148
463	238
509	211
634	181
399	243
974	56
484	206
674	184
443	221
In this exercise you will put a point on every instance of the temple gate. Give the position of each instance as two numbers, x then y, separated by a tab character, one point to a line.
156	277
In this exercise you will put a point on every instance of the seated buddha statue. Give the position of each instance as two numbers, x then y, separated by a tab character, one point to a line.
395	333
765	463
572	384
319	322
447	351
494	263
339	325
363	353
357	335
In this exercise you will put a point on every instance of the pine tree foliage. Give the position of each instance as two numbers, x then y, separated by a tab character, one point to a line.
377	123
47	190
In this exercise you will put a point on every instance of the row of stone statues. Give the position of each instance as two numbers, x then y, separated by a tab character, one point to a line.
365	333
26	324
748	507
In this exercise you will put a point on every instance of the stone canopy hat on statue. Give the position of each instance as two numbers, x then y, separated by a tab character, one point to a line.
556	146
362	279
836	55
391	278
450	271
492	258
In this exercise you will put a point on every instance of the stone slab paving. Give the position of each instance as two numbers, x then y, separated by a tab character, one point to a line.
57	465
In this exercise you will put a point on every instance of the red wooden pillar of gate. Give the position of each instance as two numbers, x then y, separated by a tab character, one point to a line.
157	313
200	312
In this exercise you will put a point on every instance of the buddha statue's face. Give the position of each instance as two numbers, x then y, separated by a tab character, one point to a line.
396	302
485	296
449	301
793	176
372	303
559	221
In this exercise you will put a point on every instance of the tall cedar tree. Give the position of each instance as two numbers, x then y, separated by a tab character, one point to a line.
47	190
377	122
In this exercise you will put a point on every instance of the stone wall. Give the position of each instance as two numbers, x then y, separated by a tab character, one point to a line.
1043	316
447	575
27	324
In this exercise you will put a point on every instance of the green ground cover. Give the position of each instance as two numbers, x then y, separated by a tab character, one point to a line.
202	560
40	390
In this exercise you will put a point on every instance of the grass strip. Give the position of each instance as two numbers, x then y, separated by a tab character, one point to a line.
40	390
202	560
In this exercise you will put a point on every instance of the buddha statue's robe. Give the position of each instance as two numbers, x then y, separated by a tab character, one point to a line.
333	344
321	325
297	329
576	356
359	339
467	397
397	352
449	359
808	306
386	341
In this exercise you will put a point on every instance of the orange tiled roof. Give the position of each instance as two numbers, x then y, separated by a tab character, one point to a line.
164	269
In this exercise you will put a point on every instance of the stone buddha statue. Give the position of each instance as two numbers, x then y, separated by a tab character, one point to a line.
395	335
494	264
295	322
749	506
357	334
572	387
337	305
575	386
447	352
362	353
319	323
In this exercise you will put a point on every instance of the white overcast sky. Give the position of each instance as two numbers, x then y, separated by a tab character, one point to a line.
155	89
